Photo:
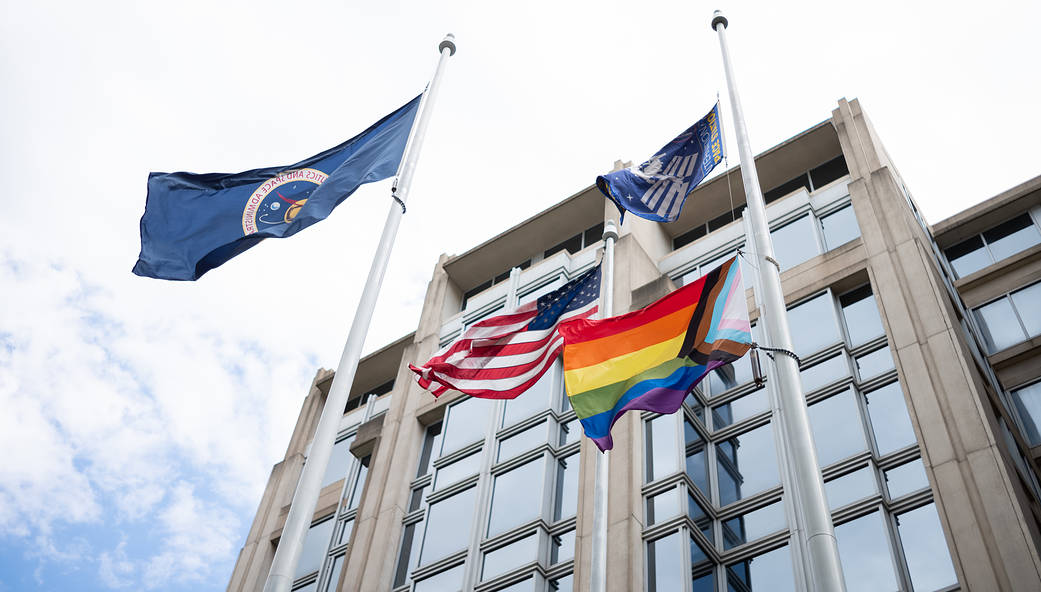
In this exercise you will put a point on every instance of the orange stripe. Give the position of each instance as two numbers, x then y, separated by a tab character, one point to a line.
596	351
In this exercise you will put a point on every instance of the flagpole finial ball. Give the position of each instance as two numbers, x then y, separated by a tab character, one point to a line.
610	230
447	43
717	17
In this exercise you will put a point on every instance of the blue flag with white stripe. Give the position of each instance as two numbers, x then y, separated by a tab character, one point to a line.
657	189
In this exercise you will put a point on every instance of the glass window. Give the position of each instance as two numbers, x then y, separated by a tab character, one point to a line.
466	422
562	584
663	506
524	441
739	409
795	242
312	552
697	459
747	464
1009	238
513	555
816	322
431	443
448	526
570	432
1000	326
662	452
359	483
407	556
527	585
824	373
906	478
875	363
1028	304
418	495
339	461
457	471
839	227
344	535
701	519
850	487
968	256
665	564
753	525
828	172
563	547
861	313
517	496
444	581
705	582
889	419
727	377
925	549
835	423
769	572
698	557
1028	403
309	587
334	573
567	487
537	398
864	552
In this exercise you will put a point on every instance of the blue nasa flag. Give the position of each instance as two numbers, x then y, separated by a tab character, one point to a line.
657	188
193	223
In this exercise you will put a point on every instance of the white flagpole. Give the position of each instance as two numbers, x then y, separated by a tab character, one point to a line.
287	554
598	564
821	546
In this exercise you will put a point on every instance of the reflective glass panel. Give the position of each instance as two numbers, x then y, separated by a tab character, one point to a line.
312	552
570	432
968	256
359	483
524	441
824	373
339	461
839	227
747	464
448	526
407	556
1028	403
1028	304
567	487
835	422
697	459
457	471
517	496
889	419
861	313
334	573
753	525
729	376
665	564
906	478
662	451
445	581
925	549
864	552
697	554
817	325
344	535
1000	326
1009	238
537	398
795	243
467	422
694	404
705	582
850	487
700	518
311	587
431	446
513	555
663	506
562	584
875	363
418	495
527	585
739	409
769	572
563	547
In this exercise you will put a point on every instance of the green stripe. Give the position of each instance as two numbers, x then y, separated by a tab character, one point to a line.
598	400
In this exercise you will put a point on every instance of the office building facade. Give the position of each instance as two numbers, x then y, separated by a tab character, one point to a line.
920	355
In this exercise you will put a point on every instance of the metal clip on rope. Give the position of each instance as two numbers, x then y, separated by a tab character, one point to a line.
788	353
394	194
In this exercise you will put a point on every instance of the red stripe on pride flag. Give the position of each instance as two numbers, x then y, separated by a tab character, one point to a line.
588	330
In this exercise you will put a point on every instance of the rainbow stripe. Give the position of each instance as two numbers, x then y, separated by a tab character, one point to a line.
651	358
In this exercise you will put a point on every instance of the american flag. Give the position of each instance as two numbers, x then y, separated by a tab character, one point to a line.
502	356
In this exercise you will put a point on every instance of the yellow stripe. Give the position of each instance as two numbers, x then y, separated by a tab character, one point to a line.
621	367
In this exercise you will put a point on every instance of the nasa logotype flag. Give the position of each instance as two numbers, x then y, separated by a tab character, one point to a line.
195	222
656	189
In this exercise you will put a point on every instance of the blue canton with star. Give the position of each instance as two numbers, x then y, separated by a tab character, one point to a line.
571	296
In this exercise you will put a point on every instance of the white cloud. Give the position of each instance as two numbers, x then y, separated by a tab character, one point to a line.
114	569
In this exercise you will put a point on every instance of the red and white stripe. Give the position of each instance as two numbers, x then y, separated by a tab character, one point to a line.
497	358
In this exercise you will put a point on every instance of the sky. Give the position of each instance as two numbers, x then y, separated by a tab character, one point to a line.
140	419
